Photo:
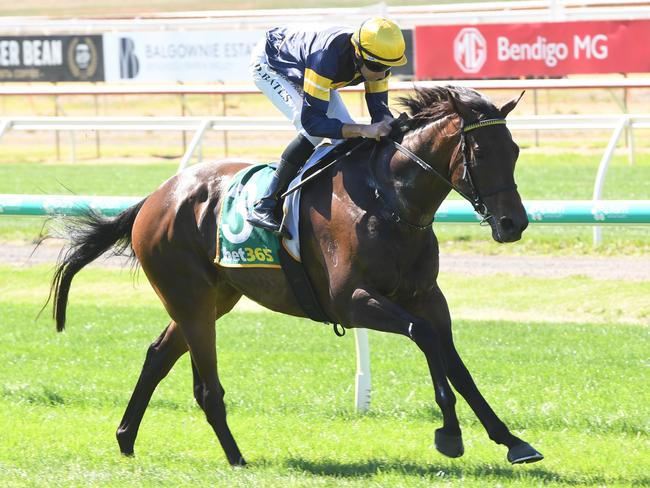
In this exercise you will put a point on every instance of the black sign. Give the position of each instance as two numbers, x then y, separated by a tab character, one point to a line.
51	58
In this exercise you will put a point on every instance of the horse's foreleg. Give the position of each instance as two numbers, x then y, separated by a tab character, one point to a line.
518	450
161	356
374	311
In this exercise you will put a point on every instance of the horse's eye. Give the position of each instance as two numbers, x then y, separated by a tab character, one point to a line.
482	153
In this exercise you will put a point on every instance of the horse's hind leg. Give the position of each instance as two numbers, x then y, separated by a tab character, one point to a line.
195	303
204	391
161	357
200	336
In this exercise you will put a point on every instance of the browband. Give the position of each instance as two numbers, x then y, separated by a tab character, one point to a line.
483	123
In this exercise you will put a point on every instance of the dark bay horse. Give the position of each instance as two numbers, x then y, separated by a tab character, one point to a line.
367	245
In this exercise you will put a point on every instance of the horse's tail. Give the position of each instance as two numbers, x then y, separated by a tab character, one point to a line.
89	236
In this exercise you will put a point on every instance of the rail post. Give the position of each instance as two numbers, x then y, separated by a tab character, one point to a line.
225	133
97	143
536	112
56	134
602	171
196	140
183	112
4	126
363	385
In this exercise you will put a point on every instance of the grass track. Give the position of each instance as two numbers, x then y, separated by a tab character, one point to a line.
573	390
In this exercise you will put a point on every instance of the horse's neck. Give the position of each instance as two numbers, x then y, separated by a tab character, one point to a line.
419	193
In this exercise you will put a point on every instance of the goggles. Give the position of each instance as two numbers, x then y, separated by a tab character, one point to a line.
375	66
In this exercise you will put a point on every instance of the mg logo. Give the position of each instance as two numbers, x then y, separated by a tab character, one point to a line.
470	50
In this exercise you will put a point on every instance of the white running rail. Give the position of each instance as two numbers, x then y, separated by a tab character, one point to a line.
199	125
62	89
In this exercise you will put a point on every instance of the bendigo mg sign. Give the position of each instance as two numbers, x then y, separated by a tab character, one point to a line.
543	49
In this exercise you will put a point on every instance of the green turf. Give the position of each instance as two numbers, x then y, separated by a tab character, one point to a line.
575	391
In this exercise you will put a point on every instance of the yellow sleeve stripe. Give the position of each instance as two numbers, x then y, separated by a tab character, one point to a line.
377	86
316	85
340	84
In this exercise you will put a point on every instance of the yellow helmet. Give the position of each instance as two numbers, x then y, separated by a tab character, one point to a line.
380	40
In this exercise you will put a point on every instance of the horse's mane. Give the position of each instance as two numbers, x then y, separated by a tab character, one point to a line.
428	104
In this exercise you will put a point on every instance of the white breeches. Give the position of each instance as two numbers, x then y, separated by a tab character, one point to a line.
288	97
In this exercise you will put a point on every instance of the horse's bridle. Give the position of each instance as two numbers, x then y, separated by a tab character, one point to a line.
468	160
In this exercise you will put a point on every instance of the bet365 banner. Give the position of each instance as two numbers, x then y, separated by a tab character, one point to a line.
51	58
539	49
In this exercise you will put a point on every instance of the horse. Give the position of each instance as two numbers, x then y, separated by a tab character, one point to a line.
367	246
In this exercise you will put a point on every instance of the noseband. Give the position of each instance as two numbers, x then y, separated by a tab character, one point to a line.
475	198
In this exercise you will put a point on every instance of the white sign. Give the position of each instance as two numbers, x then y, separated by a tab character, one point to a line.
179	57
587	47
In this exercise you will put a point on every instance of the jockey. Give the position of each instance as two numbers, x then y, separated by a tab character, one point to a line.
300	71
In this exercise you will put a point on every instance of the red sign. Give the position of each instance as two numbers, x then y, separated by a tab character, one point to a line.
544	49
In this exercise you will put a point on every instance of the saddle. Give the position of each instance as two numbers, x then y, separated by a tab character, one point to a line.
240	244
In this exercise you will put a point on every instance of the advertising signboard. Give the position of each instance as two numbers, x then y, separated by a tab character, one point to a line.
539	49
51	58
179	57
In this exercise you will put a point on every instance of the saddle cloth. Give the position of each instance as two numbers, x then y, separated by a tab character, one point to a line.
240	244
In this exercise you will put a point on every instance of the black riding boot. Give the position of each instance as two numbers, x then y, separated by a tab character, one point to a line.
293	157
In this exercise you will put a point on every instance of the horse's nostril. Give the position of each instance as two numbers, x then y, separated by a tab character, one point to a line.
506	223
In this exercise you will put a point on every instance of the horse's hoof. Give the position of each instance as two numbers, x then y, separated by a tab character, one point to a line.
125	443
524	453
449	445
240	463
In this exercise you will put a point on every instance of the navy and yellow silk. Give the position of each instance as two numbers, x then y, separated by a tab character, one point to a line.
320	61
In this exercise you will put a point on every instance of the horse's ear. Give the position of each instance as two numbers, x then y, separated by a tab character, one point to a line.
459	107
509	106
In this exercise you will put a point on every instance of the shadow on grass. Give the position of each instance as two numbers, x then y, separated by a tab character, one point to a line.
372	467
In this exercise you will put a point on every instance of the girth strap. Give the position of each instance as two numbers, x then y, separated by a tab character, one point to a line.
302	287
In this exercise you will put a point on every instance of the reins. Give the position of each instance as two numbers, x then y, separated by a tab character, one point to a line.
400	126
316	174
476	199
423	164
